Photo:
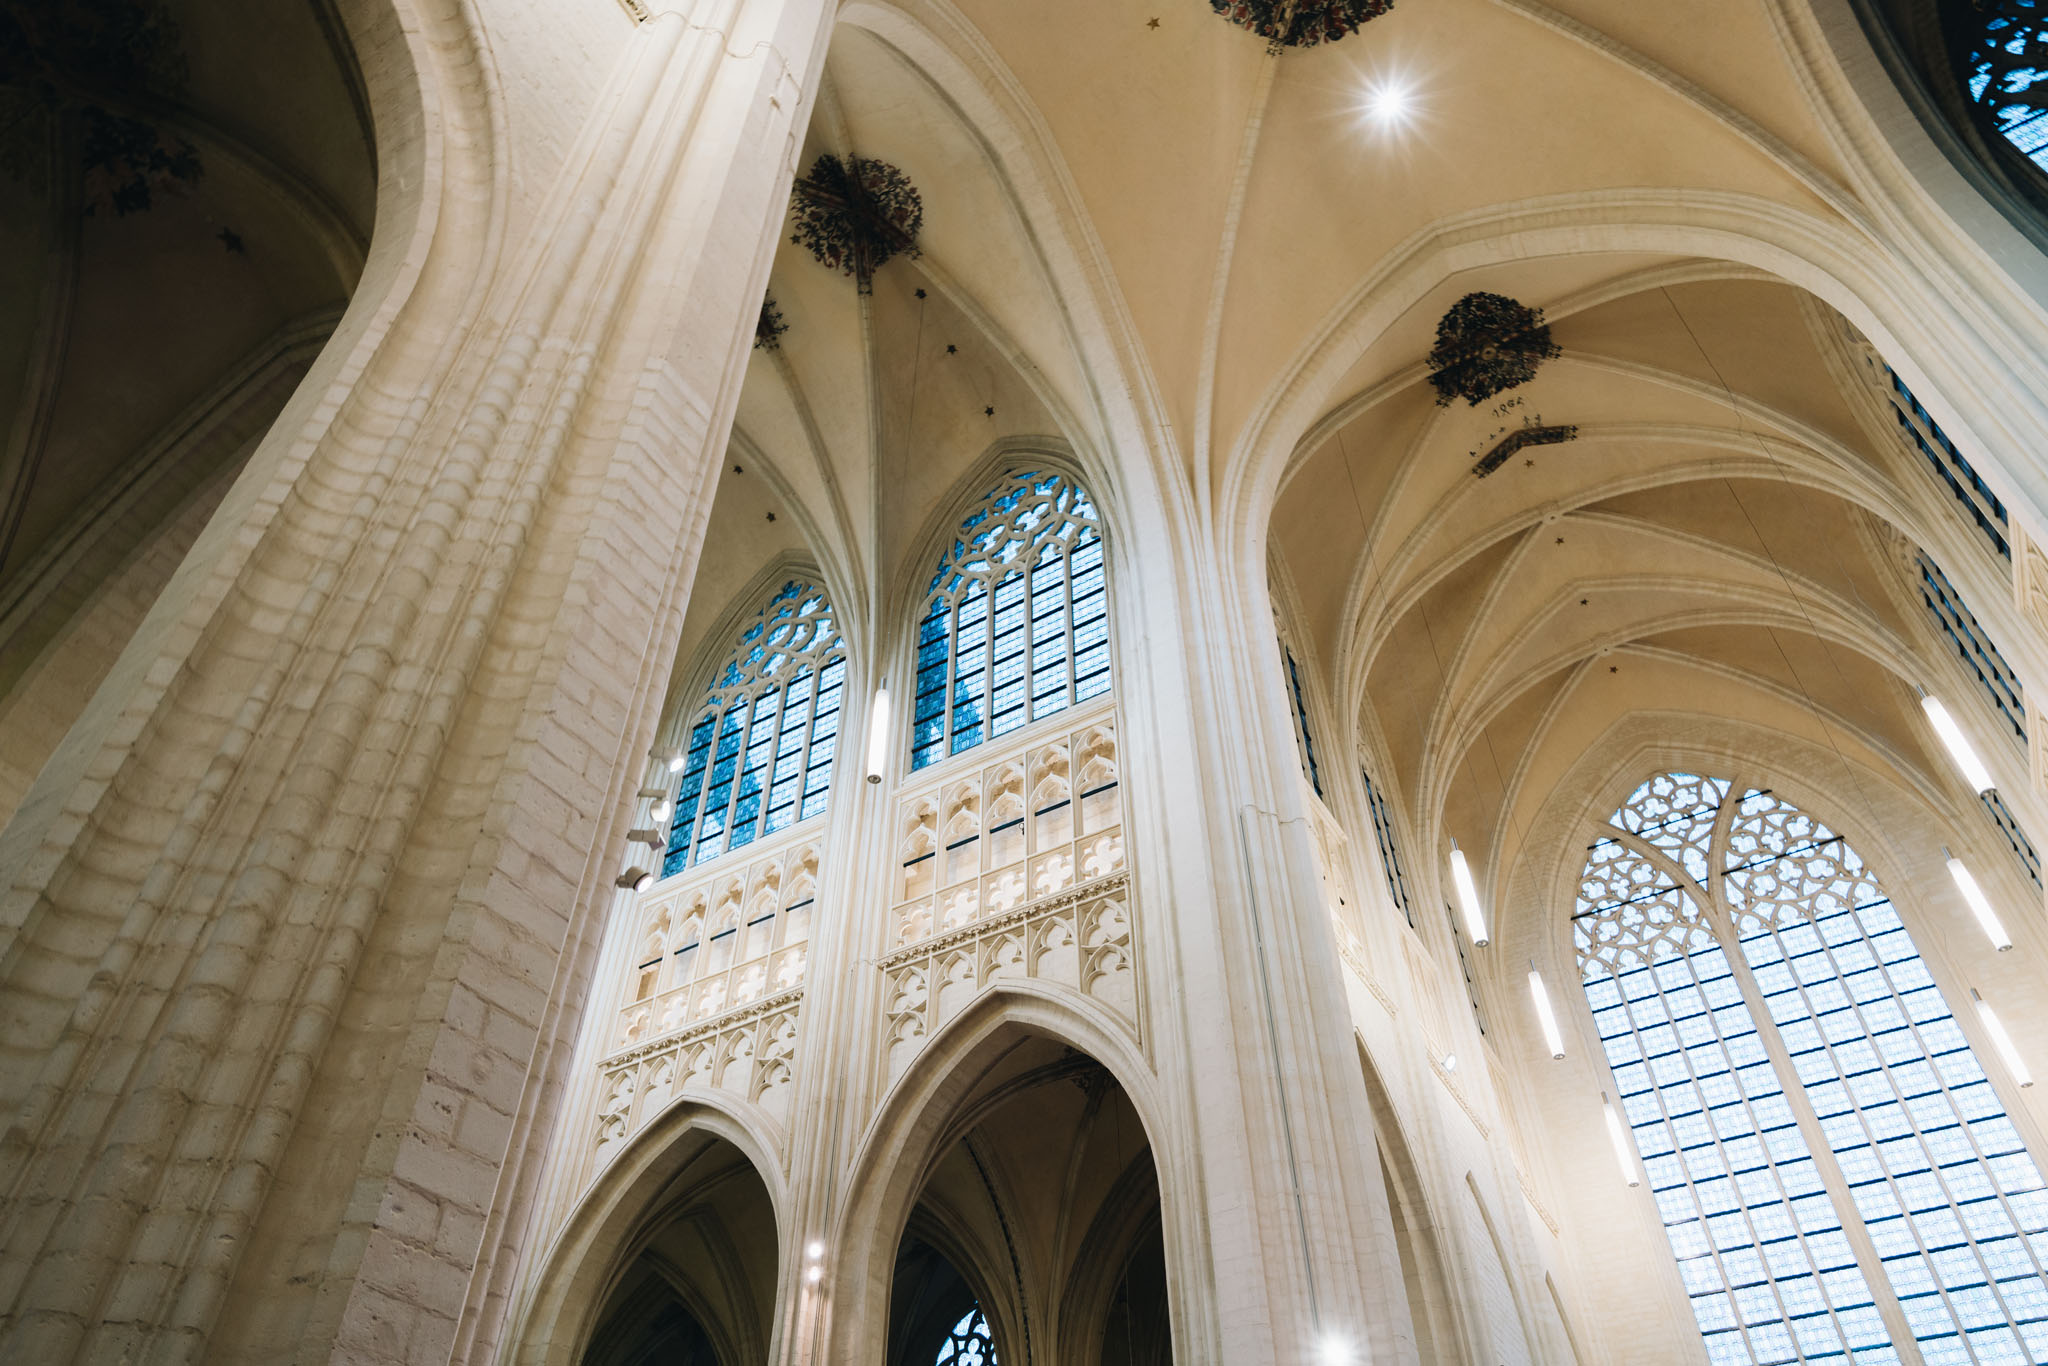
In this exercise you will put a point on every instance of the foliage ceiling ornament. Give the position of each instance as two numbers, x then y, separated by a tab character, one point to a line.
1485	345
90	74
769	328
857	214
1301	23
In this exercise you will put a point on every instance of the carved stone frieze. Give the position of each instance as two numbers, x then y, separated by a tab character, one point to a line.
749	1052
1081	937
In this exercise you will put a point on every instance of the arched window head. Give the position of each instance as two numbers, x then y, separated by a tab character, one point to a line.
969	1344
1756	993
2001	51
1017	624
757	756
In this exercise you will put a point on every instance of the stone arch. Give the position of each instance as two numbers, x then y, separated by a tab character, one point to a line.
694	674
905	585
1440	1333
587	1259
1826	259
932	1106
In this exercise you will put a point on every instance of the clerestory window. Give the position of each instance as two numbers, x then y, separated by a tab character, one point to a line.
1390	848
758	756
969	1344
1303	734
1016	627
1757	996
2003	56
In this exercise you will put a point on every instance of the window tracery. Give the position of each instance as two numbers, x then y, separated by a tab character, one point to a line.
758	758
969	1344
1016	627
1784	936
2004	64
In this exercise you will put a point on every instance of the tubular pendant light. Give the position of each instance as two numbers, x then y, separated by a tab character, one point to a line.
1544	1015
1622	1152
2001	1040
1957	744
1472	912
1980	905
878	733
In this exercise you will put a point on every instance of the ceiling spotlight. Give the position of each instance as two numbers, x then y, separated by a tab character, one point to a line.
1334	1351
675	763
815	1251
1390	103
636	879
815	1274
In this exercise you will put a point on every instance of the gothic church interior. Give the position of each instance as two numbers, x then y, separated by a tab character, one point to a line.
1061	682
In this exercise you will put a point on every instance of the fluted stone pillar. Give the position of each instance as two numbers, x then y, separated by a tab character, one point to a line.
294	925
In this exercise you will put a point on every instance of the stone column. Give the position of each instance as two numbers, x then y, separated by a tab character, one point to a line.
294	927
1257	1039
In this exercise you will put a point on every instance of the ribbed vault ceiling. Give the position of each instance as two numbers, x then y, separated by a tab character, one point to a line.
1179	254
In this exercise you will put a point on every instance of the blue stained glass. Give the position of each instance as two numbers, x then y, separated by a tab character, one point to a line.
1016	628
755	755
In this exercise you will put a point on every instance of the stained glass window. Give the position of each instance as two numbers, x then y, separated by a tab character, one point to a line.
1017	624
1982	658
969	1344
1947	463
1390	849
2009	826
758	756
1715	921
2004	64
1309	767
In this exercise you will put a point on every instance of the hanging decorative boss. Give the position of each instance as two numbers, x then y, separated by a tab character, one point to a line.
770	327
1485	344
857	214
1301	23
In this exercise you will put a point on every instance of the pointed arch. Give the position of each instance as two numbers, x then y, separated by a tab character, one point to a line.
755	754
1014	621
1439	1335
603	1235
1757	995
934	1104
